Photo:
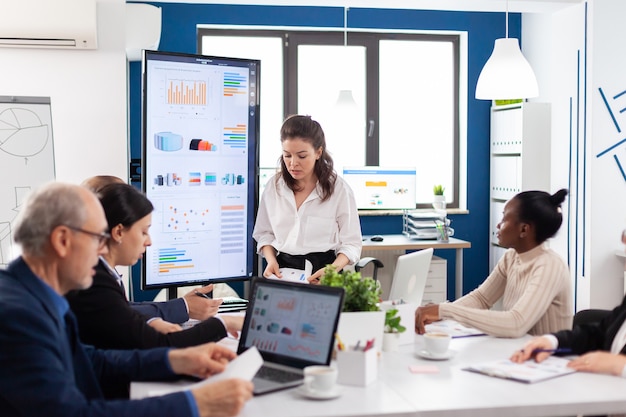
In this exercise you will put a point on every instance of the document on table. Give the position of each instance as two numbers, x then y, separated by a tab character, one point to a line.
528	372
244	366
453	328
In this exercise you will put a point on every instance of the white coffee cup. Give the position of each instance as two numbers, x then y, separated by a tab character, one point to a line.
437	343
320	378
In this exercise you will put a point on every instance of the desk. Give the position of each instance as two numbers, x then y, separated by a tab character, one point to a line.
394	242
452	392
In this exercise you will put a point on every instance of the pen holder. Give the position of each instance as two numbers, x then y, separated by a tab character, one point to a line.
357	367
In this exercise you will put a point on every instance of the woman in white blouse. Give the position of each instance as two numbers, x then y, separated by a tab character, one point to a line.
307	212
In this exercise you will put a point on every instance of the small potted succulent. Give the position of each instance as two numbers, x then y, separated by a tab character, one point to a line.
439	200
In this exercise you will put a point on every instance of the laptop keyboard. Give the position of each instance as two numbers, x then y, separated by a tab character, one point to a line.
277	375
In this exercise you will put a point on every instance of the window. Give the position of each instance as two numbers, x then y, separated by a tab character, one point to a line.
405	88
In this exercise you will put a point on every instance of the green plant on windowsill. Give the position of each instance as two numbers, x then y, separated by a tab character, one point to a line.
438	189
361	294
392	322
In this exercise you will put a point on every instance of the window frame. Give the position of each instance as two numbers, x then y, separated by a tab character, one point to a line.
293	37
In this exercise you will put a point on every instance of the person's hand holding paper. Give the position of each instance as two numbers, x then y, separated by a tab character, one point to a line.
296	275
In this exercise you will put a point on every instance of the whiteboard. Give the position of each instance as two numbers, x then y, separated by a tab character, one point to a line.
26	159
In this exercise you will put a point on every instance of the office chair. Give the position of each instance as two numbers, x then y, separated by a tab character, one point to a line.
589	316
363	262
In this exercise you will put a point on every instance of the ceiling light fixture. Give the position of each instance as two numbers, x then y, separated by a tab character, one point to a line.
345	98
507	74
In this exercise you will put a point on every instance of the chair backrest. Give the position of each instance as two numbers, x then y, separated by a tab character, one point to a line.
589	316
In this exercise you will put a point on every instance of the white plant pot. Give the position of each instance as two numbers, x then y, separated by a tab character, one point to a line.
391	342
361	326
439	202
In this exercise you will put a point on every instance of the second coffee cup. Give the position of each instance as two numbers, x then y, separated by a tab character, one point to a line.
436	343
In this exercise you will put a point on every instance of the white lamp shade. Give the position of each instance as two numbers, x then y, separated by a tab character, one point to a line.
506	75
346	99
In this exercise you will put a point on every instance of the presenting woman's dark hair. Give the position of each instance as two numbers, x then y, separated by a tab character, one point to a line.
307	129
542	210
123	204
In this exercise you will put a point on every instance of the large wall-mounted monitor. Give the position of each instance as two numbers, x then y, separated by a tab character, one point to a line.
199	155
381	188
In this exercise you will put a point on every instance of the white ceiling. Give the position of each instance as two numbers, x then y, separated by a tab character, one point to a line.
519	6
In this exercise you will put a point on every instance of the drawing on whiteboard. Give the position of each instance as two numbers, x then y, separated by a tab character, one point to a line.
22	133
619	158
26	158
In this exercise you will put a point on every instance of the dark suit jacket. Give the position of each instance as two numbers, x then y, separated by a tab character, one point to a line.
106	320
594	336
47	372
174	311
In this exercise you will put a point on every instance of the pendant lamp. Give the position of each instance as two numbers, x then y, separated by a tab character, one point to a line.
345	100
507	74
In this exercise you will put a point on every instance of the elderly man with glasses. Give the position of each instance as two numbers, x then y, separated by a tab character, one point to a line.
46	371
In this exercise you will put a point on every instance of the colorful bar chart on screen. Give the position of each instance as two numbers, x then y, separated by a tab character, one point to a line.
232	233
173	259
186	92
235	84
235	136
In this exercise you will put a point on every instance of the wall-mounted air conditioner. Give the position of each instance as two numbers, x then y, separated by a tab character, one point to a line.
66	24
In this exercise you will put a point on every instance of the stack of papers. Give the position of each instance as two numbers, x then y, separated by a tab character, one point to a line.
528	372
426	225
232	304
453	328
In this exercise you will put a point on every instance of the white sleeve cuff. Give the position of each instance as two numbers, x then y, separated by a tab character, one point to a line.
553	340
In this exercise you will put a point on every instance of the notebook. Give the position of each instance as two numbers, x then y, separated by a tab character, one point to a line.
409	277
293	326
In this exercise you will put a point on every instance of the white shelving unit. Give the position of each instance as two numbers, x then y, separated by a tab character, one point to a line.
520	159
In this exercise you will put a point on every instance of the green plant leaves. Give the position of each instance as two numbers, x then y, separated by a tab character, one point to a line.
361	294
392	322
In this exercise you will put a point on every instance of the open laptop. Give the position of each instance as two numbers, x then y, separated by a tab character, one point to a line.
409	277
292	325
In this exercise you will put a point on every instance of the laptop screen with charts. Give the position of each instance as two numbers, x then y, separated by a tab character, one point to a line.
292	325
409	277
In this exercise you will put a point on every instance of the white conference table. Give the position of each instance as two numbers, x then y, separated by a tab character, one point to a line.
451	392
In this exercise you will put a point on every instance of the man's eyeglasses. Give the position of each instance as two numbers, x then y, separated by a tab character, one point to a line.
102	237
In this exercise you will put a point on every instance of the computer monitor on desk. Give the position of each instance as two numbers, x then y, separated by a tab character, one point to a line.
382	188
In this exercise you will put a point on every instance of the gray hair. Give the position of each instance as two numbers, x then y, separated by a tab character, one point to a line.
48	207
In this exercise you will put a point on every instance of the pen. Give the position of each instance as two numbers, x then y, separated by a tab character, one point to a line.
559	350
368	345
200	294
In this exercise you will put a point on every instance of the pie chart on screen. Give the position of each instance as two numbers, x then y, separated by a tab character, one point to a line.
22	133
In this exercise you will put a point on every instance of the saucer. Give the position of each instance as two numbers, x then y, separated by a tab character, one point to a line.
424	354
316	395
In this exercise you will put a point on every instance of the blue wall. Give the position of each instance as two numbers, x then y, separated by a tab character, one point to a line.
179	35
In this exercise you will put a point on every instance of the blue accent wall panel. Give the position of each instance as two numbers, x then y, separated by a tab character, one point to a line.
179	35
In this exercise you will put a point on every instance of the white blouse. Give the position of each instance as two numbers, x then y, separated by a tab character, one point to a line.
317	226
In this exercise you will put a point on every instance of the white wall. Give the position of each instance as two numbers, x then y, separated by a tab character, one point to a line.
88	95
566	58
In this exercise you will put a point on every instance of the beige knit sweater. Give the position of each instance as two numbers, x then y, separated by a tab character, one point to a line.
536	294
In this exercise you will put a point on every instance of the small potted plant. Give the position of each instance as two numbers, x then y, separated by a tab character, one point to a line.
361	318
439	200
393	328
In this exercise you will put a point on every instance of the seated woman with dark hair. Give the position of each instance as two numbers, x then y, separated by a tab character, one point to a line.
105	318
176	311
531	279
